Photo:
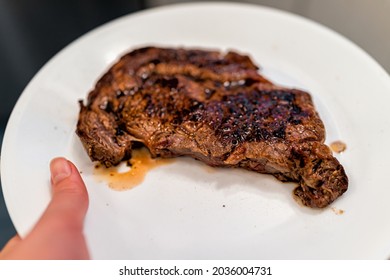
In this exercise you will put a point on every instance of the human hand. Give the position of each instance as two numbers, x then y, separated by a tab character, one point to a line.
59	232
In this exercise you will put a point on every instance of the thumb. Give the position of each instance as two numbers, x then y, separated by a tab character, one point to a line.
59	232
69	202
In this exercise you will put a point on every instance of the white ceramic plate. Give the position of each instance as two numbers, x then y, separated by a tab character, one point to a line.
181	210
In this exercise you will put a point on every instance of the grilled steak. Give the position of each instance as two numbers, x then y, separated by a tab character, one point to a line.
215	108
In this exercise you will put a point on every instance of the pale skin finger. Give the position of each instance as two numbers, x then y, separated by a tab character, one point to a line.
11	244
59	232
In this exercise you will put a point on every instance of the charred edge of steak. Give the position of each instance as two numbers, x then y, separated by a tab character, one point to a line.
215	108
100	137
322	178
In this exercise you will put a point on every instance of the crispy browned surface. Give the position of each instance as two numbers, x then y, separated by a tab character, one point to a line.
215	108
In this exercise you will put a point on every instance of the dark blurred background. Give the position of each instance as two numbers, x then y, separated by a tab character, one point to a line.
31	32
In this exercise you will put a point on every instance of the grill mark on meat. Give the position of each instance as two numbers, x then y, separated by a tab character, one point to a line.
213	107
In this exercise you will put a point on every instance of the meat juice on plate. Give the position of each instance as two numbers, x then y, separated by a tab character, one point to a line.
131	173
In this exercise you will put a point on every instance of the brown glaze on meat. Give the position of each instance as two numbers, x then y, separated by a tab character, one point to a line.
213	107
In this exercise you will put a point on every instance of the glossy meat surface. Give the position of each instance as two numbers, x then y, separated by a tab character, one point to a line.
216	108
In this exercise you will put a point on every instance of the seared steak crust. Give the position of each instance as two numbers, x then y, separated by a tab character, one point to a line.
215	108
